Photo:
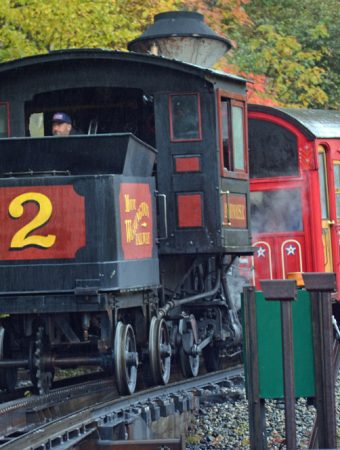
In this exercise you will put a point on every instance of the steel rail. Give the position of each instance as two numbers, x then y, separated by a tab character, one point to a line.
66	431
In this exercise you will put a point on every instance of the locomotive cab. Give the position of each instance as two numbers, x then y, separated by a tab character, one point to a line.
94	110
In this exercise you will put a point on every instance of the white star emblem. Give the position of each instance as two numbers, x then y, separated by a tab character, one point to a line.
291	250
261	252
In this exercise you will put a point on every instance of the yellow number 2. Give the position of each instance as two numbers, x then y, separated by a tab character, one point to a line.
21	238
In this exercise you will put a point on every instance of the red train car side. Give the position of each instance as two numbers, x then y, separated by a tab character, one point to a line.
295	191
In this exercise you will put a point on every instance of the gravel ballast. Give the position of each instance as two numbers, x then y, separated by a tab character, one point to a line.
222	420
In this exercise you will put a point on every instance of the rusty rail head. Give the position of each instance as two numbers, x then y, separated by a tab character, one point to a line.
279	289
320	281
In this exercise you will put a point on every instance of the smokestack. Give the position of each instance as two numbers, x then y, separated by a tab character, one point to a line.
182	35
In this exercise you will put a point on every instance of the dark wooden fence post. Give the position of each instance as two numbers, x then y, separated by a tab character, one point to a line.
257	420
285	292
320	286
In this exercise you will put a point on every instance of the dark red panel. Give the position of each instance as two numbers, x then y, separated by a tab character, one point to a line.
291	256
41	222
189	209
187	164
135	204
263	262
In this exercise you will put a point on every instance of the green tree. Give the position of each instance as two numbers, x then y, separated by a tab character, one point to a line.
291	51
29	27
297	46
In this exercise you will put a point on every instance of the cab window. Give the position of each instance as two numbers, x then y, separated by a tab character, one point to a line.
94	110
238	137
185	120
4	127
232	135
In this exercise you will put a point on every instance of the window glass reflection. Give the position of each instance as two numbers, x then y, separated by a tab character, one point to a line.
238	140
337	187
185	117
225	133
3	121
323	186
276	211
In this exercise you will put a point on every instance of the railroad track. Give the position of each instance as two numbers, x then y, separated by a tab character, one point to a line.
68	416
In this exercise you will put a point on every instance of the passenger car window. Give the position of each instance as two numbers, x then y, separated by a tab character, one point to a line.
273	150
276	211
337	188
323	186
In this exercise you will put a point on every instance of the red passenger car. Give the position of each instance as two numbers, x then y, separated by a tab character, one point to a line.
295	191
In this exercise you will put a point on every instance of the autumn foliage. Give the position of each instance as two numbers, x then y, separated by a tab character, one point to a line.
284	65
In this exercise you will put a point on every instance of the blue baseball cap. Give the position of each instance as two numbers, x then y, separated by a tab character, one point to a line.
61	117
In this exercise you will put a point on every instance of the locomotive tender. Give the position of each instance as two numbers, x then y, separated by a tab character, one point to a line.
113	253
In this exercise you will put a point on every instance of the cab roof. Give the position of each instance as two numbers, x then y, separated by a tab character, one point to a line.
95	54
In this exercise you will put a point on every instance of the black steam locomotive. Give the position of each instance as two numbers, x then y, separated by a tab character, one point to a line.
113	253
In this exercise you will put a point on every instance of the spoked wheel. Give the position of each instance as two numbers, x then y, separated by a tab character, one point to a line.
159	351
211	358
189	362
8	377
41	374
125	359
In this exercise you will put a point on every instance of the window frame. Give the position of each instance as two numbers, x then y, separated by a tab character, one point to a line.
200	135
6	104
237	100
336	163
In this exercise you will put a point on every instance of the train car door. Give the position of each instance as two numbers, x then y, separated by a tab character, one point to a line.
326	219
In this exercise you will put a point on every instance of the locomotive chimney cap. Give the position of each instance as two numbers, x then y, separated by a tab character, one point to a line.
182	35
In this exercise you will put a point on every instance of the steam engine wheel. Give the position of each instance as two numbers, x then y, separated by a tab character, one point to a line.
159	351
125	359
189	360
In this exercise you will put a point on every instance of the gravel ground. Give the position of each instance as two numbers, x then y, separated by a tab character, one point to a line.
222	421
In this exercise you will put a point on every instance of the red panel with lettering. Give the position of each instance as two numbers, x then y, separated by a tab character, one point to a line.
41	222
189	209
135	204
235	210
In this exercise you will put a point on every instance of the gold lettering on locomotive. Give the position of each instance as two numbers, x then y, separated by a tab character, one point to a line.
132	226
129	231
23	237
237	211
130	203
